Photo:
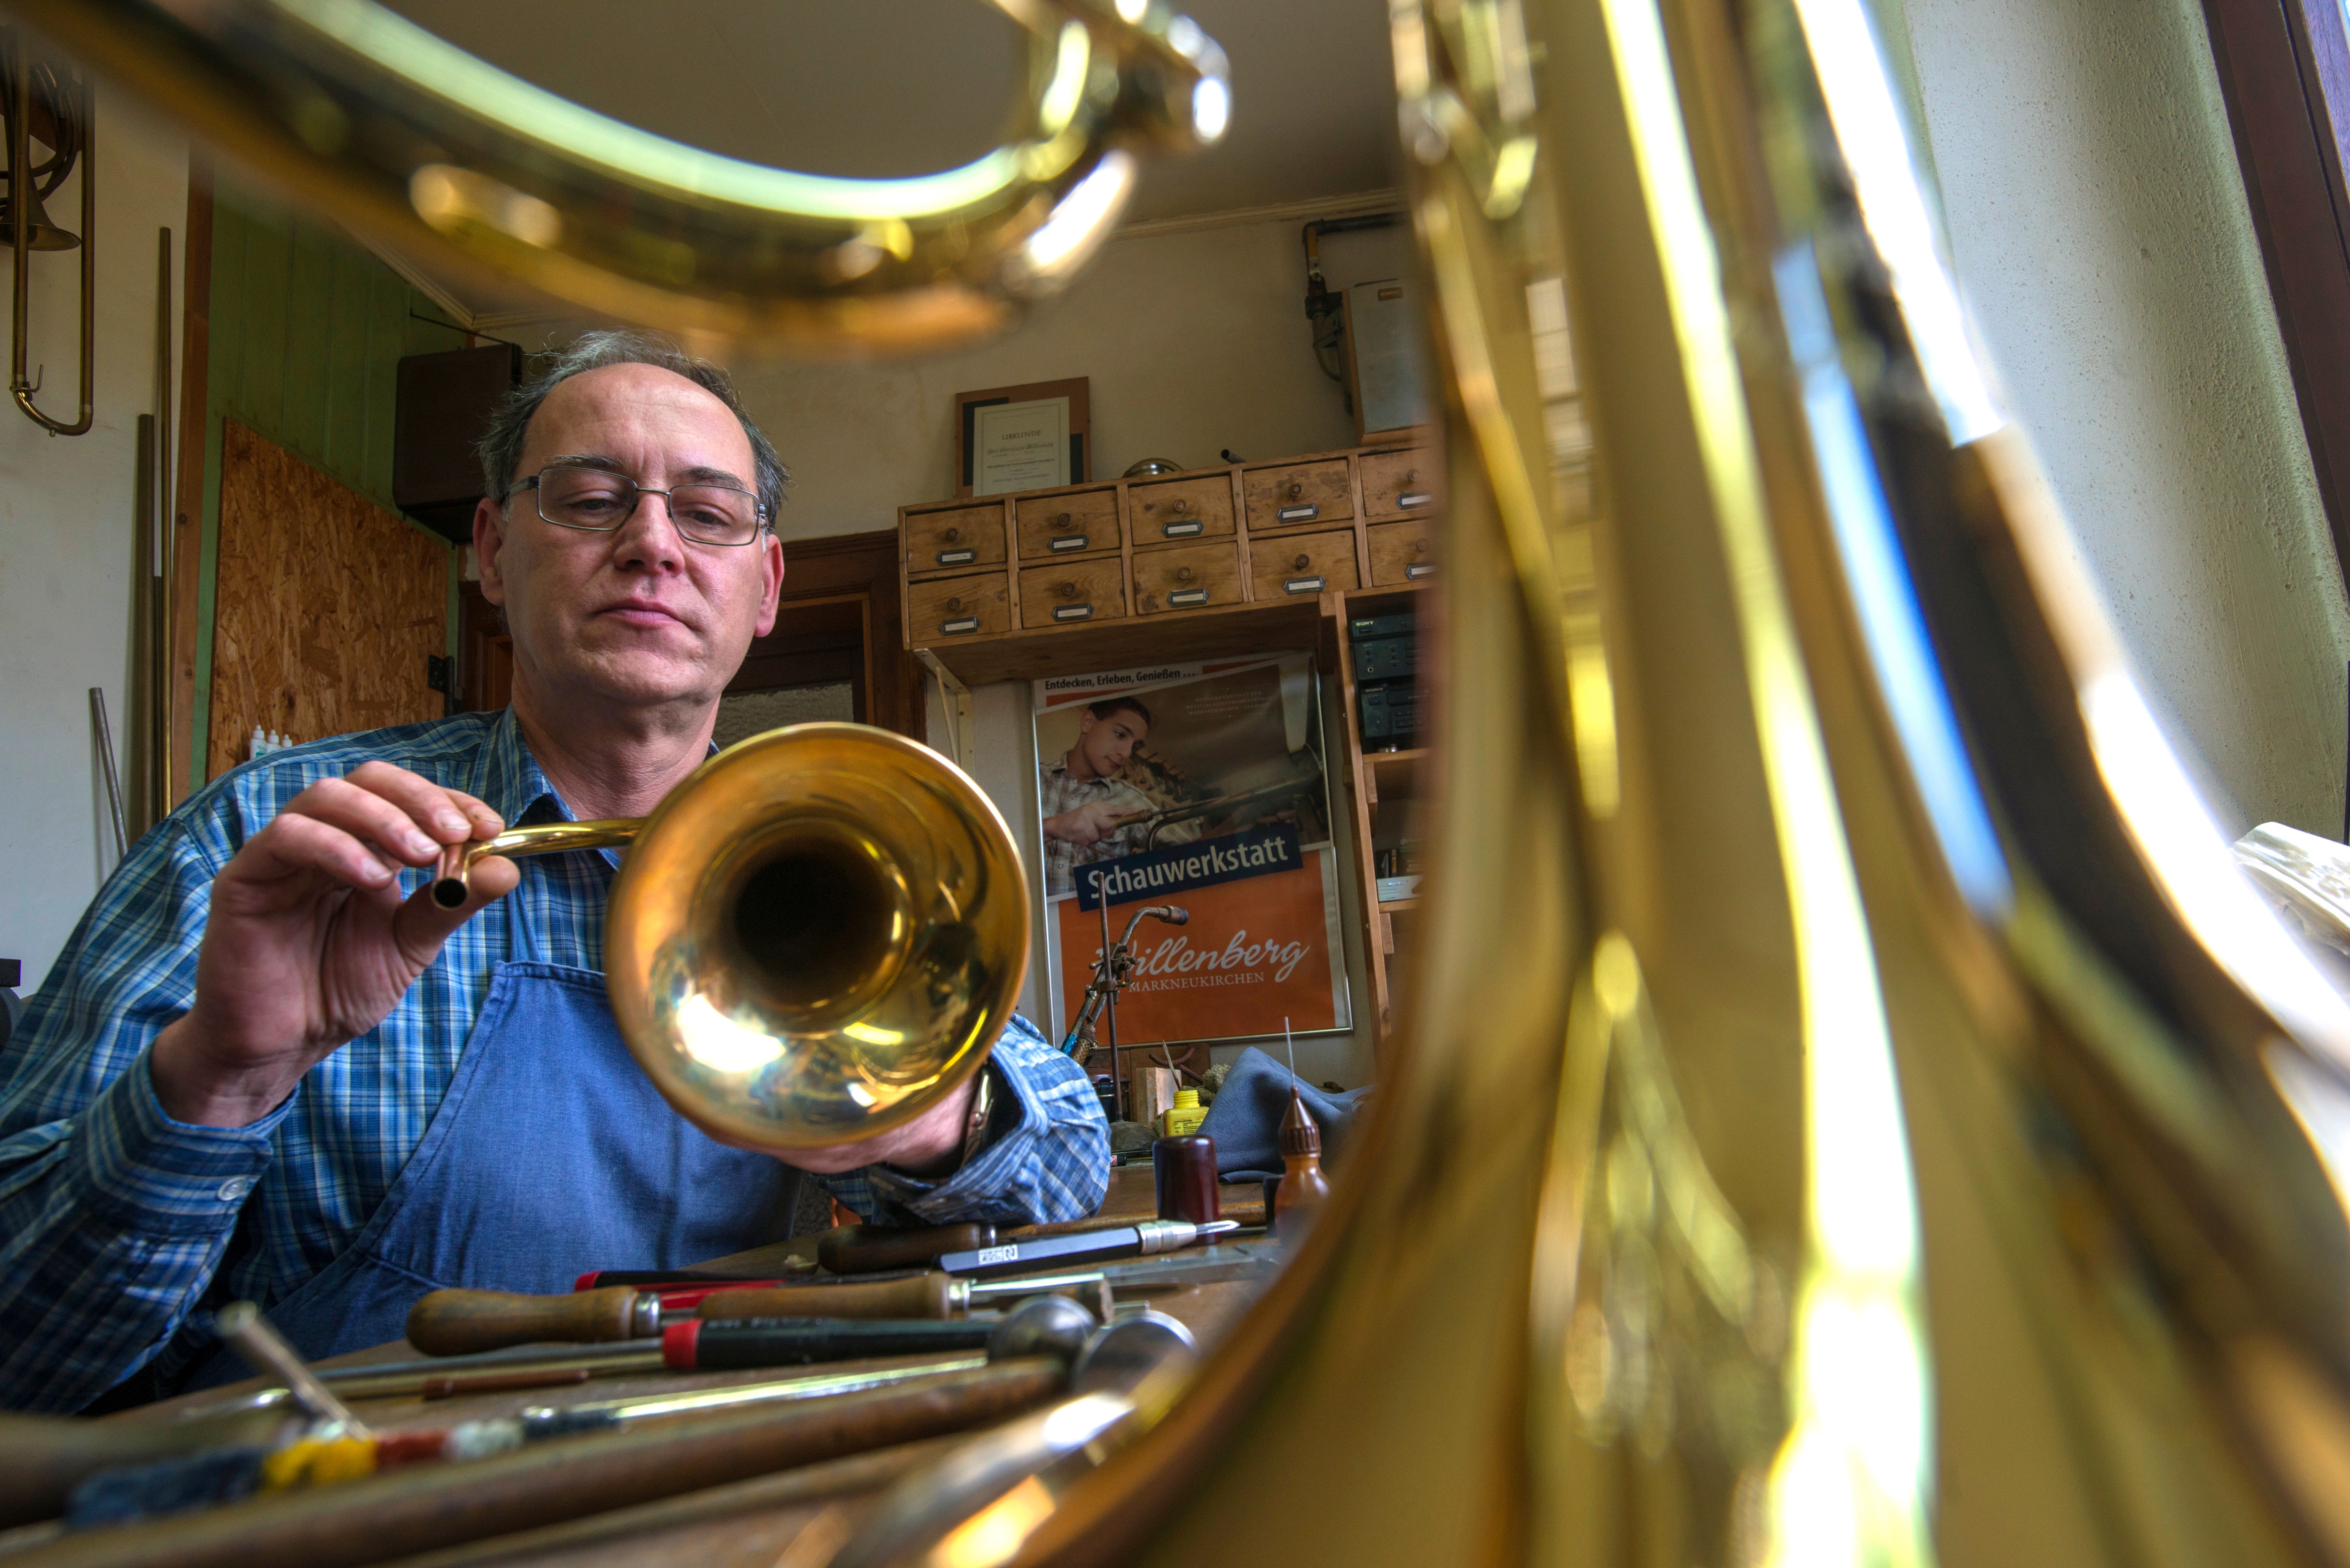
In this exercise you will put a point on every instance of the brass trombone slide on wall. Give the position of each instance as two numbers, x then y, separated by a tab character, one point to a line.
54	105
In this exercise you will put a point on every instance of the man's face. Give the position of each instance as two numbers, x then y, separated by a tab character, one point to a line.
1108	743
640	617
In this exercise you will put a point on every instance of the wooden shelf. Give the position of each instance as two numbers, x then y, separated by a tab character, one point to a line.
1173	637
1397	906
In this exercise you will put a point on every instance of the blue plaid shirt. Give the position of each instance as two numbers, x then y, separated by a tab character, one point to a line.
117	1224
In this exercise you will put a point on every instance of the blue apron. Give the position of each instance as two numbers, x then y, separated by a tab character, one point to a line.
551	1154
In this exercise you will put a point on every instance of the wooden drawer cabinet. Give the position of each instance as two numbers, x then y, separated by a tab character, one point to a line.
947	608
1065	591
1399	485
1192	577
1403	552
1297	495
1302	564
1051	527
1181	509
954	541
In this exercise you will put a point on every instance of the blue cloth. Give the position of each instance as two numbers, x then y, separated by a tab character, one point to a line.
550	1147
116	1223
1245	1121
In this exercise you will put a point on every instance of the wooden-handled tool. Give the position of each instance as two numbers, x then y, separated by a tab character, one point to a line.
459	1322
917	1295
876	1249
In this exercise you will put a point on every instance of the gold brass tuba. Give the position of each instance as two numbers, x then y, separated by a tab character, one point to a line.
1849	1110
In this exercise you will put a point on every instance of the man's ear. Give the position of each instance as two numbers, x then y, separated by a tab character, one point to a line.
489	538
771	568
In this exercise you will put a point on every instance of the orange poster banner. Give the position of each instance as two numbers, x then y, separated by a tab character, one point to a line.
1255	951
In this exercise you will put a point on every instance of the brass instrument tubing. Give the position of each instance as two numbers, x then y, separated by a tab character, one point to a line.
20	191
450	876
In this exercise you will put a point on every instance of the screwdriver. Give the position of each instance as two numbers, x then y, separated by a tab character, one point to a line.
463	1321
1142	1239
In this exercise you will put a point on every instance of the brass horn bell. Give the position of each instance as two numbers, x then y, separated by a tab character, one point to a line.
814	938
42	233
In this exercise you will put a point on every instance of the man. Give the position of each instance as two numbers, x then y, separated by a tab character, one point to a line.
1085	802
268	1066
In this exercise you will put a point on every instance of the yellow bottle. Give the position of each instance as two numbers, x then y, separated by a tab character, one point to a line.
1183	1117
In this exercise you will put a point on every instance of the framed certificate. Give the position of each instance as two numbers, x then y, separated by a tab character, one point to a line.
1023	438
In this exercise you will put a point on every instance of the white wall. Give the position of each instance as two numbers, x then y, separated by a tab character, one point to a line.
1192	342
67	530
2098	220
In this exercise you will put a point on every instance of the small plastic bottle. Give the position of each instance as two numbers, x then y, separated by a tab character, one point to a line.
259	746
1183	1117
1304	1188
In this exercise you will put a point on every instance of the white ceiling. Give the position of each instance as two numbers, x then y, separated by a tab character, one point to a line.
904	87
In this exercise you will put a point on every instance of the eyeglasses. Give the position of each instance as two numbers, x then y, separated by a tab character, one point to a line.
598	500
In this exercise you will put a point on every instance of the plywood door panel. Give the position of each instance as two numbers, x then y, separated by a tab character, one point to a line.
326	606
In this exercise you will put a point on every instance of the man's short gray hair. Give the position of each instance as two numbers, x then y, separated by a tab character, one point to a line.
500	446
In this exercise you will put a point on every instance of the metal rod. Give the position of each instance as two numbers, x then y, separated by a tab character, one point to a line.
265	1350
159	664
139	791
106	767
647	1406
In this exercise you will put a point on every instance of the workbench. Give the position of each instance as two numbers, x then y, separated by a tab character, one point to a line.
747	1524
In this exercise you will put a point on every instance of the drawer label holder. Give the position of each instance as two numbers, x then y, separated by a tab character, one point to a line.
1186	597
1073	612
1418	570
957	557
1305	514
958	625
1069	542
1302	585
1183	530
1415	498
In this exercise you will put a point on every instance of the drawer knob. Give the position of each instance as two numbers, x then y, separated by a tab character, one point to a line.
1301	563
1066	590
1063	519
1177	504
1419	546
1182	574
954	605
1410	474
951	535
1296	490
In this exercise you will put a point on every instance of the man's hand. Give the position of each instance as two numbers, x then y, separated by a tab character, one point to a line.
309	944
929	1146
1087	824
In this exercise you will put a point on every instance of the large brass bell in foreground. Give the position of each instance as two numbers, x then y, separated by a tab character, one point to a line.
815	938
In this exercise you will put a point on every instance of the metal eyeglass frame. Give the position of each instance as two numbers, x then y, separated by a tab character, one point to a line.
759	511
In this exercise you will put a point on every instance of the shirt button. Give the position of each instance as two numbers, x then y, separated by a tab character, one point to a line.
235	1189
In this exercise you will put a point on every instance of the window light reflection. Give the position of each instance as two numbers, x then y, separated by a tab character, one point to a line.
1875	141
1884	596
720	1044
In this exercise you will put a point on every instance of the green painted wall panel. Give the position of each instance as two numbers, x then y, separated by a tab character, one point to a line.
258	399
307	331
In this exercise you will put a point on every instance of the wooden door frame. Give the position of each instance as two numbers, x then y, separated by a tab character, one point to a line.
844	568
2284	72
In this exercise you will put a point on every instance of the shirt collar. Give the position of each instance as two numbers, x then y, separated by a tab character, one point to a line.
510	781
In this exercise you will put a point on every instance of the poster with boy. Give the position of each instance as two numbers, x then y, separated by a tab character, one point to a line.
1201	785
